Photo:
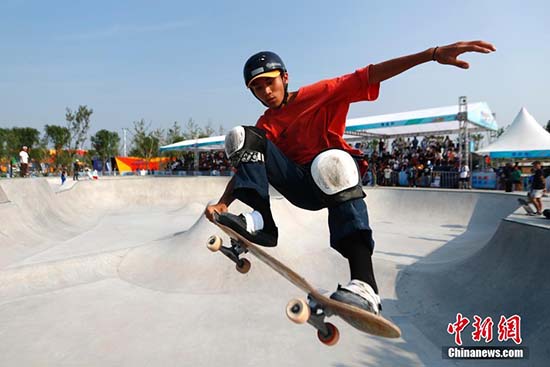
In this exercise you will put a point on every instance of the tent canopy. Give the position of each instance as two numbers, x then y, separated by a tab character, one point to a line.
210	143
524	138
442	120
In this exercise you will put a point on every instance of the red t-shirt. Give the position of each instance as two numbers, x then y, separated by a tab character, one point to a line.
316	119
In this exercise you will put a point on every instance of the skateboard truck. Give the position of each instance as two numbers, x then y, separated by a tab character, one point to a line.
314	313
233	252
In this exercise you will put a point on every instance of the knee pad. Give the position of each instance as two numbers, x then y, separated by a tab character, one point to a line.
245	144
336	175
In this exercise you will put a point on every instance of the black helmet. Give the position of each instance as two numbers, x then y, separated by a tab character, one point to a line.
264	63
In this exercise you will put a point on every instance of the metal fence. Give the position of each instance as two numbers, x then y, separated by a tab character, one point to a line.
193	173
442	179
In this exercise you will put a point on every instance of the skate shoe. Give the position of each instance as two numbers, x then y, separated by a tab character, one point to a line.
251	227
359	294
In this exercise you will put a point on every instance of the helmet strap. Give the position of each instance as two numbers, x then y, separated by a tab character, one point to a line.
285	98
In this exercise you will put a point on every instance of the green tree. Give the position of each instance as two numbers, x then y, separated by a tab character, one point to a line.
476	138
174	133
78	123
145	143
192	129
39	154
208	130
105	143
24	136
59	137
4	138
195	131
12	140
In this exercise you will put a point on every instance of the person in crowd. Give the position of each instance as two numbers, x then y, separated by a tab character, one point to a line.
516	178
464	177
507	177
381	147
24	161
412	174
427	174
537	187
415	143
387	176
63	175
76	170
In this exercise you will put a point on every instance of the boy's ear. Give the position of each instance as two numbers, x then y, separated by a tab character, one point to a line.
285	78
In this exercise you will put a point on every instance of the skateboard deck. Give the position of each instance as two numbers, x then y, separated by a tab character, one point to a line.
317	307
525	205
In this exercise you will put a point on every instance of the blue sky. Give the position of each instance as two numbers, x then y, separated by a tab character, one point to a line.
173	60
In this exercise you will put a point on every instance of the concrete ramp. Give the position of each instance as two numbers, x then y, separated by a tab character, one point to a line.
508	276
116	272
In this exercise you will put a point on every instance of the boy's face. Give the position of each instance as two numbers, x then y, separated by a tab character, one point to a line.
270	91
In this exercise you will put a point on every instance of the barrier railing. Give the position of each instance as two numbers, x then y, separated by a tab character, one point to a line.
442	179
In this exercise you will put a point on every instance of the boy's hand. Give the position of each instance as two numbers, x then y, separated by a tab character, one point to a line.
218	208
448	54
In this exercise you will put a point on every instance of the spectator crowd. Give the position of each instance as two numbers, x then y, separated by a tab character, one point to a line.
209	161
414	159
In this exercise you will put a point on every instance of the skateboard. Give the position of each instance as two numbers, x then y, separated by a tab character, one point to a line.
317	307
525	205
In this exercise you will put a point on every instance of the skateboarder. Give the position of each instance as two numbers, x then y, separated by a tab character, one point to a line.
298	148
537	188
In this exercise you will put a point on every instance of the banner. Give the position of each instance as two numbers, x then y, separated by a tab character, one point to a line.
484	180
126	164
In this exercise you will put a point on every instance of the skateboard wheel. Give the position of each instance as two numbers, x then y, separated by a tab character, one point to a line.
214	243
332	337
245	267
298	311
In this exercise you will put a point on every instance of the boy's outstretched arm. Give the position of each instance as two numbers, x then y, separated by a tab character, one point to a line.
442	54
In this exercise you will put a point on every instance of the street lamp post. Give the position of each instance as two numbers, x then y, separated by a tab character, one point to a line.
124	130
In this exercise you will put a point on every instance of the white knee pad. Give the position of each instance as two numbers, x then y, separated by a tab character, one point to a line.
234	140
335	171
245	144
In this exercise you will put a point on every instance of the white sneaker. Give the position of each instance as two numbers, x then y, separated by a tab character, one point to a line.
360	294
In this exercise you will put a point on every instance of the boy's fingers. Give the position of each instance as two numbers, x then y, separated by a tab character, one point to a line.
459	63
486	45
476	48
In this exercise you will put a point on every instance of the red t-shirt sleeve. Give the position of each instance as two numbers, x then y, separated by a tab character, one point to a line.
349	88
368	91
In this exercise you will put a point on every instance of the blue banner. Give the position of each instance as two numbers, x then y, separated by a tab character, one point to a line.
522	154
484	180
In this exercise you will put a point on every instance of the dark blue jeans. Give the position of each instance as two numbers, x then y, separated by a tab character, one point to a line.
295	183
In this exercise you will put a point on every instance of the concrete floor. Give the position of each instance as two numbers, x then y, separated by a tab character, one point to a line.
115	272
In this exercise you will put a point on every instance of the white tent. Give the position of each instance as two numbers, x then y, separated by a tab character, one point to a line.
210	143
524	138
431	121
